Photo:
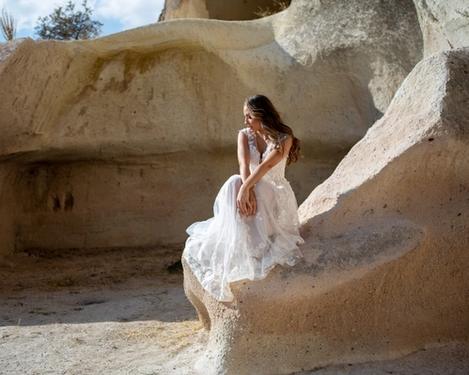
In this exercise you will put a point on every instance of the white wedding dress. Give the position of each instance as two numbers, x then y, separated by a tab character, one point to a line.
229	247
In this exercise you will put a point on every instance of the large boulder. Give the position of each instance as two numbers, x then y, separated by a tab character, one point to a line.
220	10
124	140
386	247
444	24
173	9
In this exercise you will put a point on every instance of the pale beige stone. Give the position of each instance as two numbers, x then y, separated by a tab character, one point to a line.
216	9
125	140
137	130
444	24
184	9
386	247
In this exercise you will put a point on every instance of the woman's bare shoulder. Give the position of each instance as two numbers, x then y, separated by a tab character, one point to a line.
244	133
287	142
243	136
285	138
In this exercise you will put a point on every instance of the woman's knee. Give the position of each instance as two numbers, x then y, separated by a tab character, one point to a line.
236	178
236	181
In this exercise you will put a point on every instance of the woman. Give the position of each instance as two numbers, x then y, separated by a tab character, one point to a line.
255	222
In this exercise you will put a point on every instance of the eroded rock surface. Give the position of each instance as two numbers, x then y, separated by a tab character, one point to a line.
444	24
124	141
140	127
220	10
386	247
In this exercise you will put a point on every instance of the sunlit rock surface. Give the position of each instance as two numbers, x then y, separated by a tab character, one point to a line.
125	140
386	247
444	24
221	10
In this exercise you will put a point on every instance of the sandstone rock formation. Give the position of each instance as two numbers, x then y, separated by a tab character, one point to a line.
386	246
215	9
444	24
125	140
183	9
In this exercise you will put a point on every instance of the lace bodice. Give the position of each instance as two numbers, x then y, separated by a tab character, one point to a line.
277	172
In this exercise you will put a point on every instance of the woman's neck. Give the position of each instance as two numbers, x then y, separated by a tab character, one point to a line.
261	134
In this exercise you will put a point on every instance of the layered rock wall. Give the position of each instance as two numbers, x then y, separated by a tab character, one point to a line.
123	122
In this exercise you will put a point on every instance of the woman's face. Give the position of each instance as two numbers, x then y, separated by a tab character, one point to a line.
251	122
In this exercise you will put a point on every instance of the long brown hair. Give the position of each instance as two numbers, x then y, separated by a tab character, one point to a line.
262	108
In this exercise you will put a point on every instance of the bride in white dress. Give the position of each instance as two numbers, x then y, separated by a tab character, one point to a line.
255	222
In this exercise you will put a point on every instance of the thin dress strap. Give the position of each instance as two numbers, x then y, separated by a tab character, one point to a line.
251	139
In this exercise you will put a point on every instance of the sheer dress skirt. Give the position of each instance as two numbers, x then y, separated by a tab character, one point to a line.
229	247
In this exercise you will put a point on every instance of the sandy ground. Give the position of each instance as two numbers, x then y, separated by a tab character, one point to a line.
123	311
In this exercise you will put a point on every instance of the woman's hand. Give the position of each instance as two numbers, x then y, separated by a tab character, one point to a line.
253	202
243	201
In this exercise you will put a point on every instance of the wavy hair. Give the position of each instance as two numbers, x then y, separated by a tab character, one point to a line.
262	108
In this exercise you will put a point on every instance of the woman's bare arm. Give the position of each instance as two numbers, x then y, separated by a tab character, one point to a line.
272	159
243	156
244	171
